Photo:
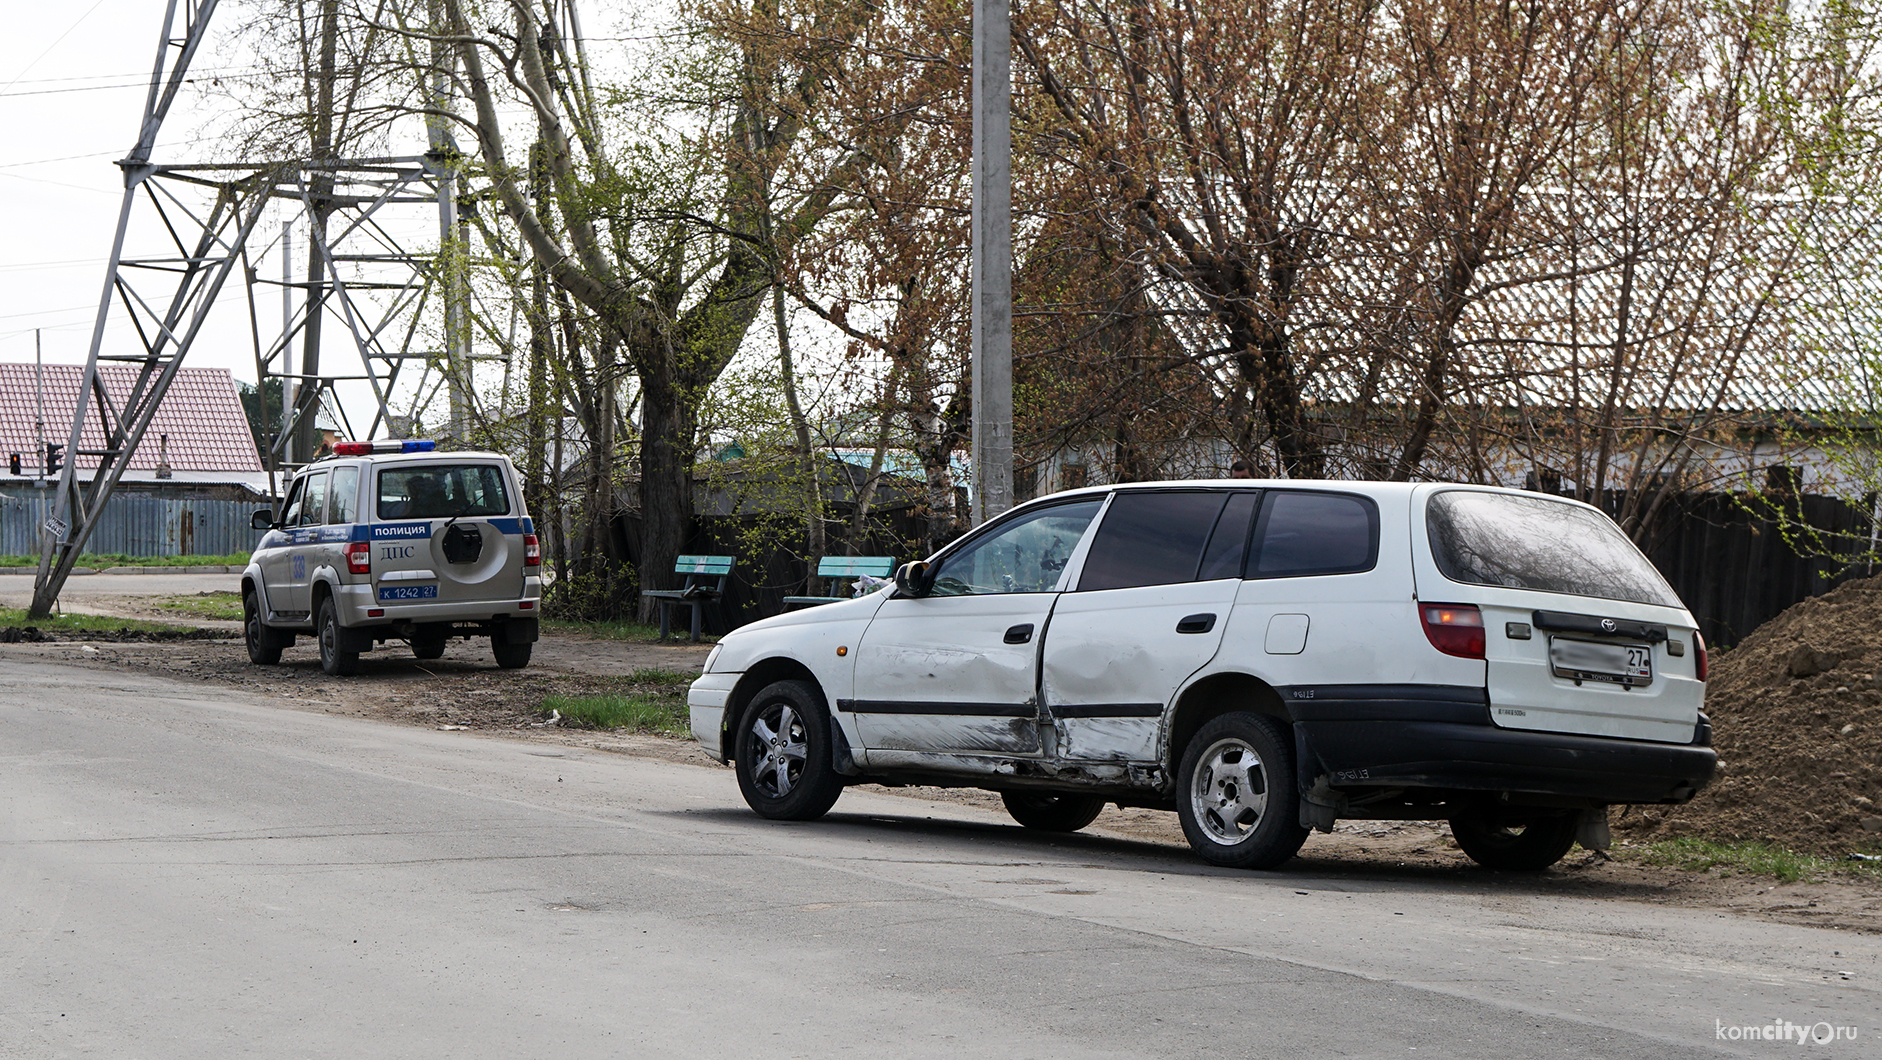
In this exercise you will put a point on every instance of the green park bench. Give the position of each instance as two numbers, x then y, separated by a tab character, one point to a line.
705	580
838	568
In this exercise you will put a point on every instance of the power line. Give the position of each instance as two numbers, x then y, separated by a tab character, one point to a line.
144	84
95	154
233	72
68	32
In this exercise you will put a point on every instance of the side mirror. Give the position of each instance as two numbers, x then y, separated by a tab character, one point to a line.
914	579
263	520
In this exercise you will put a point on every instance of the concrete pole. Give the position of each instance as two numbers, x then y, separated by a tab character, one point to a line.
993	260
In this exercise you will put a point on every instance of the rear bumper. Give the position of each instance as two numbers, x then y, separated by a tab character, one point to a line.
1431	738
356	604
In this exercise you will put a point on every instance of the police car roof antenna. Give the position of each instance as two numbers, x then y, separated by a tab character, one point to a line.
203	243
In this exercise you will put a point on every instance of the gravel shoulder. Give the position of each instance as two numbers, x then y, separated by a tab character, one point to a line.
465	689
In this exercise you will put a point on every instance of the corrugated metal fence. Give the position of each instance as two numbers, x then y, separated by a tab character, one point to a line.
137	525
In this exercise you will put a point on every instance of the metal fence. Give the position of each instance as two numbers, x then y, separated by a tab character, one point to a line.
136	524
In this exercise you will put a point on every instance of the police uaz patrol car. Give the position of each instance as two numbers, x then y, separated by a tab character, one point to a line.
395	541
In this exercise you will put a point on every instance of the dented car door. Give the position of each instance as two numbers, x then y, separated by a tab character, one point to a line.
957	670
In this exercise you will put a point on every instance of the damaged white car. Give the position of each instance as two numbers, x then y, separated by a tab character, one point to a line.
1262	658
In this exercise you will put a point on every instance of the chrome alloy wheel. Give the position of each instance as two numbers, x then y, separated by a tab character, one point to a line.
776	751
1230	791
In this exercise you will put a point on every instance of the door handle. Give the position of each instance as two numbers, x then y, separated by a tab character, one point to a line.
1196	624
1019	634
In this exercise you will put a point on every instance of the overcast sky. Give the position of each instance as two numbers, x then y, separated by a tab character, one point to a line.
73	83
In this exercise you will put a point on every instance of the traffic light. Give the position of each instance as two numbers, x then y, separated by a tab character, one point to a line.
53	453
13	463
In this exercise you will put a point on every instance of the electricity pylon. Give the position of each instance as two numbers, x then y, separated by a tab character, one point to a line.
203	219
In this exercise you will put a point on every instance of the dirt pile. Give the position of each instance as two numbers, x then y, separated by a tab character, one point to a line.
1797	719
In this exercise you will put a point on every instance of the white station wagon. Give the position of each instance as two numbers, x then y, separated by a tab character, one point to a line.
1264	658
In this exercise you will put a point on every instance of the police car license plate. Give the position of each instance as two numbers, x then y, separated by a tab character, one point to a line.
407	592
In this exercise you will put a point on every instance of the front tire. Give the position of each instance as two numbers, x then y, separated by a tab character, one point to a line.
1236	796
264	644
1512	843
1047	812
332	659
782	752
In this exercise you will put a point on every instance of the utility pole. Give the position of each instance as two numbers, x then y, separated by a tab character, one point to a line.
39	393
993	260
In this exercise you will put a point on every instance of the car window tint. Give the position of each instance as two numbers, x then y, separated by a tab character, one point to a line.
1150	539
1229	543
1533	542
291	512
441	491
1303	533
1023	555
345	501
314	500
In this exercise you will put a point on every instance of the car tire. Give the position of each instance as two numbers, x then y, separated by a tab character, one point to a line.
1512	843
783	754
327	628
1048	812
428	643
510	656
264	644
1236	796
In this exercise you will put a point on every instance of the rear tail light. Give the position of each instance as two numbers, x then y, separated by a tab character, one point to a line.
1454	629
1701	664
358	558
532	551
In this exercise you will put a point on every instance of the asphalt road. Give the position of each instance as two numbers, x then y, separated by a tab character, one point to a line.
82	593
187	874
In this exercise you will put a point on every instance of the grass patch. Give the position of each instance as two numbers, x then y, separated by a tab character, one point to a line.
621	629
1747	859
118	559
645	701
16	616
216	605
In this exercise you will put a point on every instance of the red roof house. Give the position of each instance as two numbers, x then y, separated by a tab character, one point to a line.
201	413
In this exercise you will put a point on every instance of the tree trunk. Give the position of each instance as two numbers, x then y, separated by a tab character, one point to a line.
666	485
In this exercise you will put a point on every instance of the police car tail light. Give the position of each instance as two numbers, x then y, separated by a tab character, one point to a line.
1700	664
1454	629
532	551
358	558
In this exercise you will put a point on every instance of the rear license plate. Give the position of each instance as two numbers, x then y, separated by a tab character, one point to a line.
407	592
1587	660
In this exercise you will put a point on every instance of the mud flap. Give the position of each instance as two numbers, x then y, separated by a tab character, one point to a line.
517	630
355	638
842	760
1320	805
1591	829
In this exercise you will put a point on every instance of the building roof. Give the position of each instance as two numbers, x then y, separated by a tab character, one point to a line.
200	412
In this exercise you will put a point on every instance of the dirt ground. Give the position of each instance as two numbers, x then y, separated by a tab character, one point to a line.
465	689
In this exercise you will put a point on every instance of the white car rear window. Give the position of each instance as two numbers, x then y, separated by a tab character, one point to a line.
1538	543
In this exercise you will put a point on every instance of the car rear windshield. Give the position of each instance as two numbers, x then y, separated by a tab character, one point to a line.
441	491
1538	543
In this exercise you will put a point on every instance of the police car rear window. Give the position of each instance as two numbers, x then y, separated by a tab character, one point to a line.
441	491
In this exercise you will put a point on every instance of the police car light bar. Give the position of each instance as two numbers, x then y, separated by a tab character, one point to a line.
366	448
